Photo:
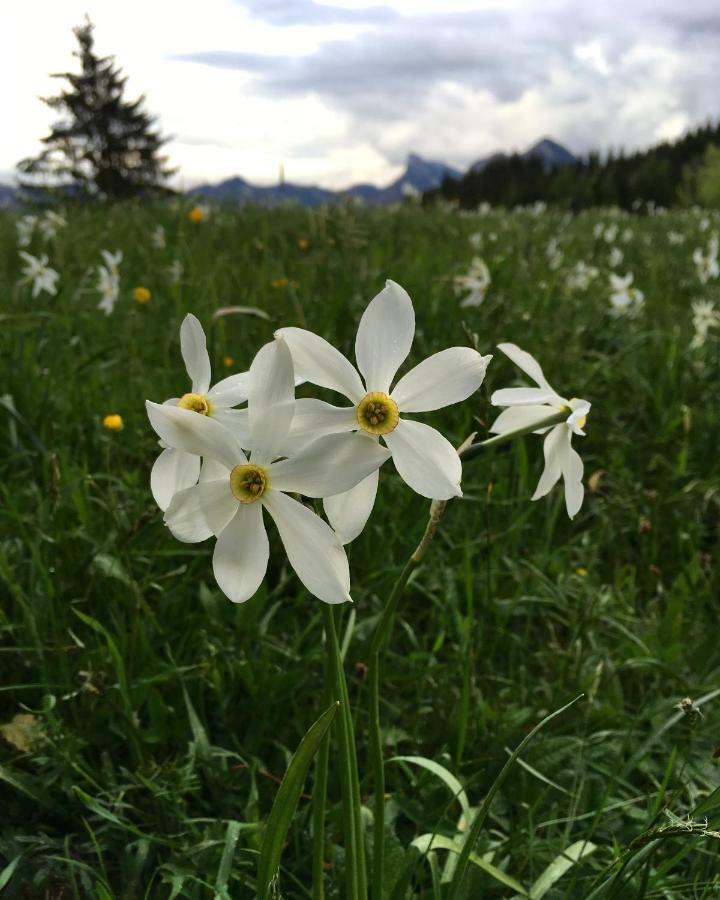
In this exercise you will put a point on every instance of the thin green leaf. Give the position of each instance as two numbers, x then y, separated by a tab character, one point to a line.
287	799
7	872
223	876
427	842
448	779
559	866
240	310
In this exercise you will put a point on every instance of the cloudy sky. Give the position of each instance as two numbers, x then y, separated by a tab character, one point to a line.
340	91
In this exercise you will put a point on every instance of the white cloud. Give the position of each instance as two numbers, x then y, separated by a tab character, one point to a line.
341	90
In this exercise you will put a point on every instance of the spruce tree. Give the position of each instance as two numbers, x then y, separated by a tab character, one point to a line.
103	145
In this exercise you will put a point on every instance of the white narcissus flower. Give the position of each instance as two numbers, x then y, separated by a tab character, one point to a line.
39	272
50	224
108	286
25	228
527	406
475	283
424	459
706	264
624	298
234	489
705	317
174	469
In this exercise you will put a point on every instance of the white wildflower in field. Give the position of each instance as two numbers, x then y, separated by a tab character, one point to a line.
623	297
108	283
627	236
425	460
610	234
158	238
616	257
234	489
25	230
50	224
675	238
705	317
706	264
554	254
581	275
475	240
38	272
409	191
175	271
526	406
175	470
475	283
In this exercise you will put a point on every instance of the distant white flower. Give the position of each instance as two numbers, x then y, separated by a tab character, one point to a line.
554	254
25	229
610	233
50	224
234	489
108	287
484	208
475	240
409	191
175	470
527	406
616	257
175	271
108	283
623	297
675	238
705	317
158	238
38	272
581	275
627	236
475	283
706	264
424	459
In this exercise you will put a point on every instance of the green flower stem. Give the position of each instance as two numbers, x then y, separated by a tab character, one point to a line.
355	874
319	800
382	634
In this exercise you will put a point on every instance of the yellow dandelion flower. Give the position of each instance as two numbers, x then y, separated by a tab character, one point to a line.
142	294
196	214
228	362
303	243
279	283
583	573
113	422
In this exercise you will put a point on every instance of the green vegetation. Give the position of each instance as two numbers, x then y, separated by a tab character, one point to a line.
147	722
662	175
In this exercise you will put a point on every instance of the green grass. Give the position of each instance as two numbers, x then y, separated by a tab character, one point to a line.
164	716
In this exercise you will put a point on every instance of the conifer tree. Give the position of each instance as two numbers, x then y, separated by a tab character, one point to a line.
102	145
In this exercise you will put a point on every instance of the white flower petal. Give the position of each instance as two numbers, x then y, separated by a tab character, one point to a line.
330	465
384	336
515	417
348	512
231	391
212	470
194	353
555	448
442	379
523	396
313	548
317	361
315	418
237	421
241	554
200	511
173	471
271	398
572	477
527	363
189	431
425	460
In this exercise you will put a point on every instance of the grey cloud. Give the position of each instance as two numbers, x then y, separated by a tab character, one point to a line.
306	12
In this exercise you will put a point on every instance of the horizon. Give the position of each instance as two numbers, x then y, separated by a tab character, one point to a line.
340	92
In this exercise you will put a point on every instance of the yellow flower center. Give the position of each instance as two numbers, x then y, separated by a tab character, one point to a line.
196	214
195	402
141	294
377	413
248	483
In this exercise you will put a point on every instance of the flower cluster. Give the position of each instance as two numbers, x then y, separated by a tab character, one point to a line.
222	468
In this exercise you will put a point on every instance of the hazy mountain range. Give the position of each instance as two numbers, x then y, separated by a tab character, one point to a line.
419	175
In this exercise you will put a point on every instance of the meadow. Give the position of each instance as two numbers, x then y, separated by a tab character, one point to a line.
147	721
